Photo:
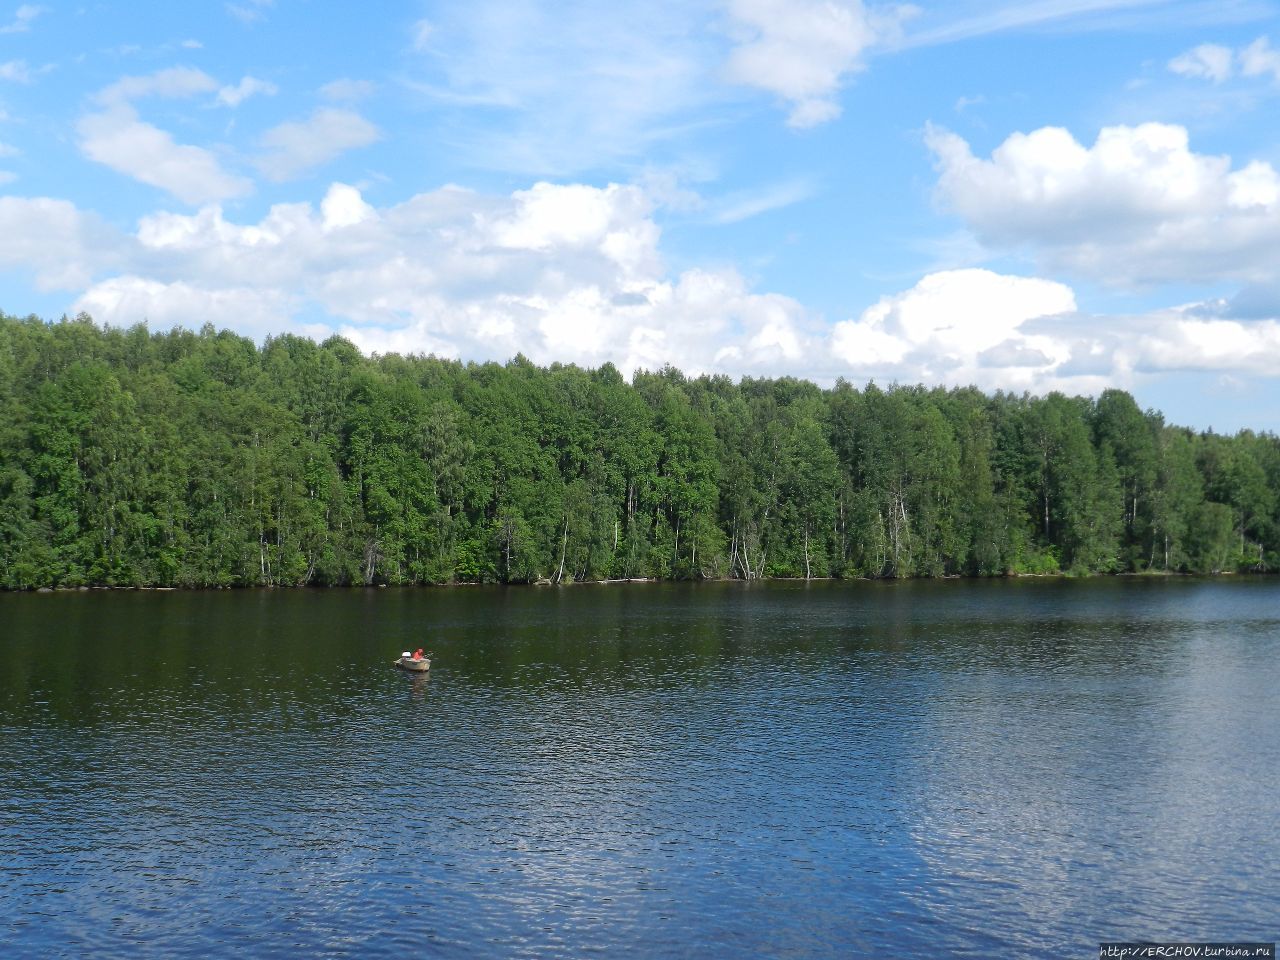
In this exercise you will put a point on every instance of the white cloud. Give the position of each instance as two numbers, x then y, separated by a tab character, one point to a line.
1209	61
16	71
117	137
251	311
9	150
297	147
737	207
346	90
1136	207
60	244
191	45
559	89
614	219
246	88
250	11
22	18
574	273
420	35
558	272
1024	333
1259	59
573	86
174	83
960	20
802	50
1177	340
959	325
343	206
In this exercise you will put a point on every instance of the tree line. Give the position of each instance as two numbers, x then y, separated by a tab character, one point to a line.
177	458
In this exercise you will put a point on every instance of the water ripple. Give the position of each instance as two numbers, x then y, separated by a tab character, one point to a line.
958	769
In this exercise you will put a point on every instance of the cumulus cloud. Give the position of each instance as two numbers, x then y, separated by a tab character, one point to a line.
296	147
803	50
558	272
251	311
1025	333
63	246
117	137
247	87
1136	207
1180	340
961	324
575	273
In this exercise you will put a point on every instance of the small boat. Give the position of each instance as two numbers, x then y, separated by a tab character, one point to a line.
407	662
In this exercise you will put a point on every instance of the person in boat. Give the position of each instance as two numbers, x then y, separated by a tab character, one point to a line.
417	654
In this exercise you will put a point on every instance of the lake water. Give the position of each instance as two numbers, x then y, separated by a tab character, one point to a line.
951	769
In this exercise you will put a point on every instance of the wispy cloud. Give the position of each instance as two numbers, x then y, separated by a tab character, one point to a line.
298	146
174	83
420	35
1209	61
980	20
250	11
555	90
246	88
746	204
15	71
347	90
23	18
1214	62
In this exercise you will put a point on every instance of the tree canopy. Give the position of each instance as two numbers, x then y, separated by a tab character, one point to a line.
176	458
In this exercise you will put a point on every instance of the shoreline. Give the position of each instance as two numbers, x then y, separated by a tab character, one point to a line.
544	583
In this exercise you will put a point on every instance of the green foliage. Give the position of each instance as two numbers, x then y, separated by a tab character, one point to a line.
199	459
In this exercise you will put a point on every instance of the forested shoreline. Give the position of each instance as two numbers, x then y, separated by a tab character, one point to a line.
176	458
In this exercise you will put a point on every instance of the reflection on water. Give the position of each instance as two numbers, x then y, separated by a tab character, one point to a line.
970	769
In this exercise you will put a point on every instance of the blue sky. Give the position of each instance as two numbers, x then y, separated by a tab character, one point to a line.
1059	194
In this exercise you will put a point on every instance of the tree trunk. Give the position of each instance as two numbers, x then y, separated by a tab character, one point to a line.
564	546
807	574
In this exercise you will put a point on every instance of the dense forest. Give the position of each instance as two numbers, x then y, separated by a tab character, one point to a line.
176	458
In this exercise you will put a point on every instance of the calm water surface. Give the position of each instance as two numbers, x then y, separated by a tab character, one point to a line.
855	770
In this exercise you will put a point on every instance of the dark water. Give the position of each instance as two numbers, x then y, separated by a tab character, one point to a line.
854	770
